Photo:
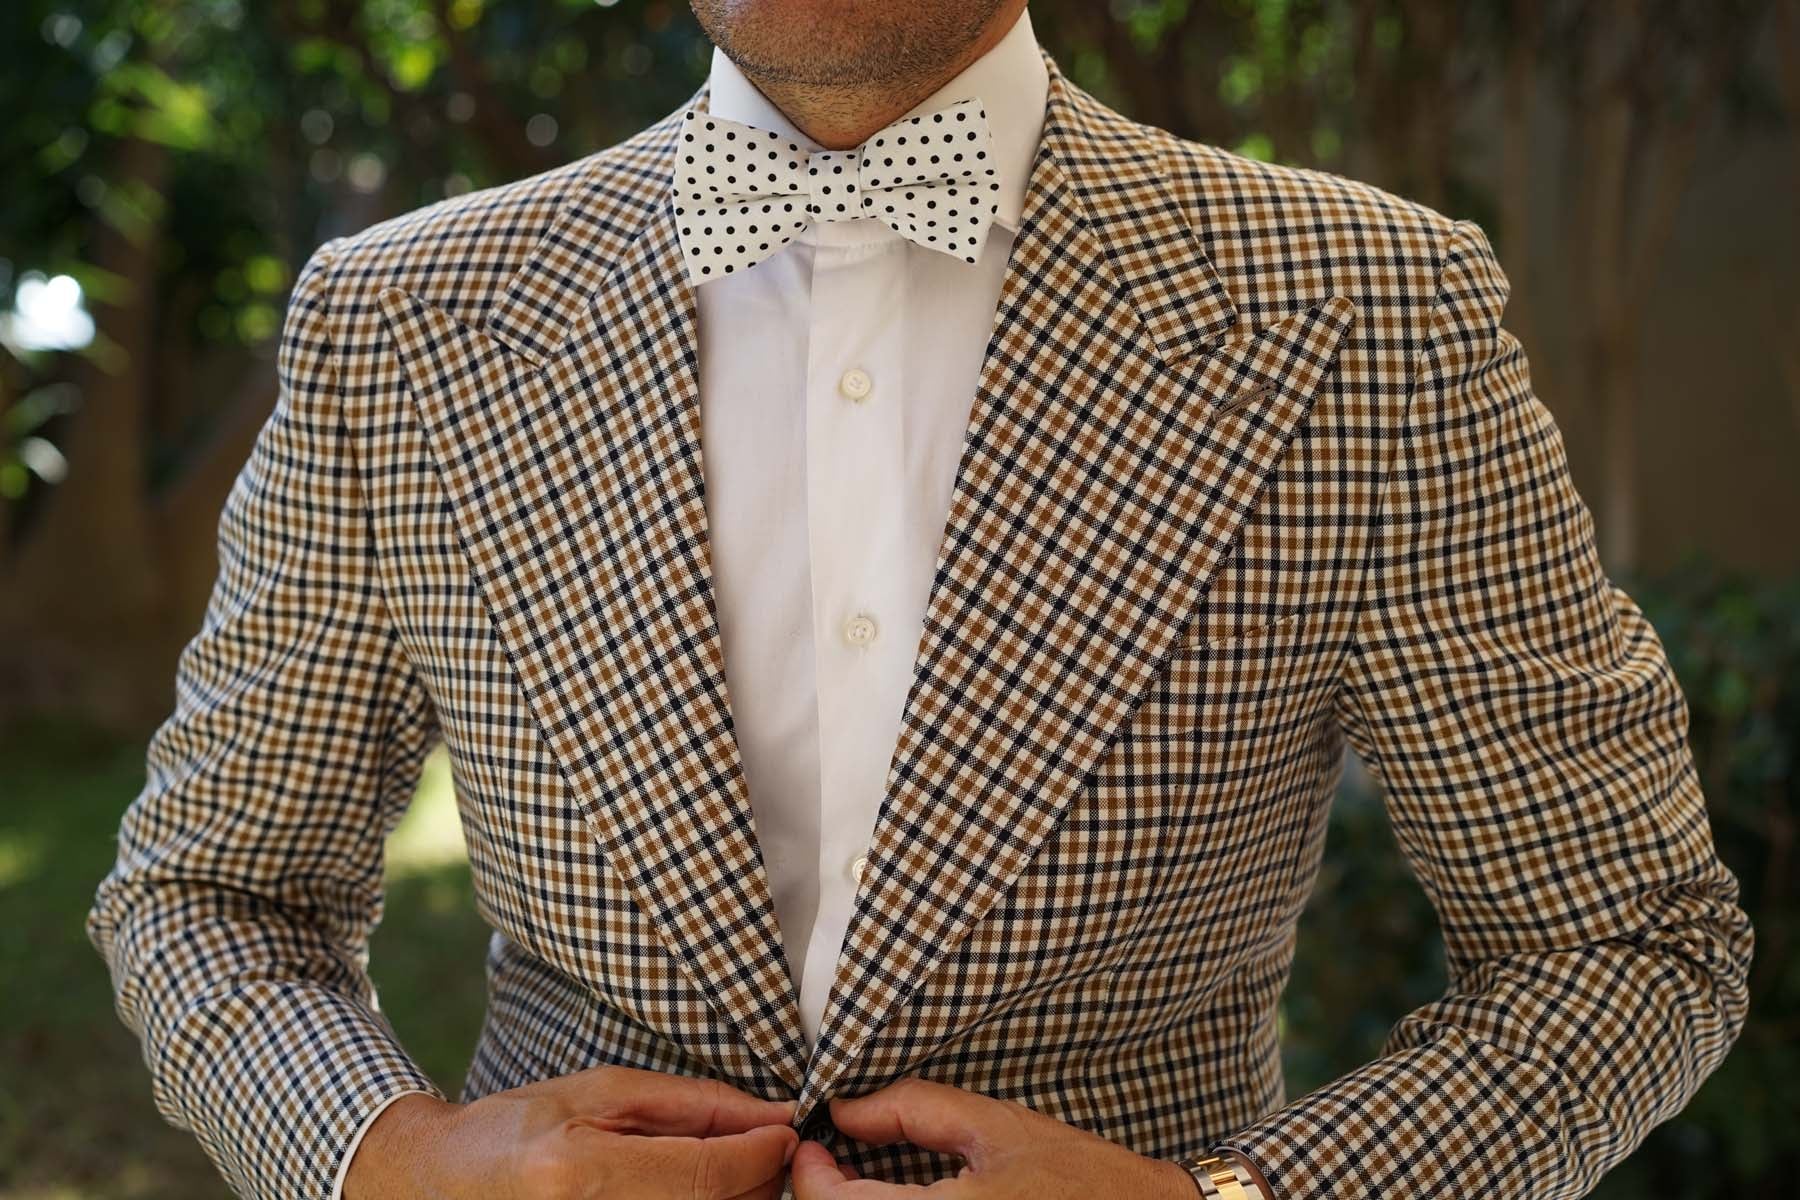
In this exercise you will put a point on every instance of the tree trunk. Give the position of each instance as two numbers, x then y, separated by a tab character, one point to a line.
1519	87
1788	28
1609	346
78	635
187	510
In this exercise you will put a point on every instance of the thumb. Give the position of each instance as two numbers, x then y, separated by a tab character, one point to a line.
815	1172
711	1168
650	1102
933	1115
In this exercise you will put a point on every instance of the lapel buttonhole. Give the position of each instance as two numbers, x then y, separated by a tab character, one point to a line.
1246	396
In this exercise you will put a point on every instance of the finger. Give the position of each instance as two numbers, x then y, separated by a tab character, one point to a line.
713	1168
933	1115
769	1190
818	1175
651	1102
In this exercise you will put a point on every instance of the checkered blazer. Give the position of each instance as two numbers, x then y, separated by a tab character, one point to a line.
1252	472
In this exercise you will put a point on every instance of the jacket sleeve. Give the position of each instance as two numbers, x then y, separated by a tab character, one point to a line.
235	919
1530	739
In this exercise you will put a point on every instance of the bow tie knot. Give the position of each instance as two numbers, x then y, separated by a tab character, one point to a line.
831	186
741	192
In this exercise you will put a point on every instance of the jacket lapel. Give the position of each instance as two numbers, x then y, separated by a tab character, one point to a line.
1121	429
566	428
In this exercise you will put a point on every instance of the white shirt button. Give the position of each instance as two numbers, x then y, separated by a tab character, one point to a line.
858	866
855	383
860	629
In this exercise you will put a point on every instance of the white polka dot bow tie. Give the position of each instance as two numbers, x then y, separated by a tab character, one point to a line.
741	192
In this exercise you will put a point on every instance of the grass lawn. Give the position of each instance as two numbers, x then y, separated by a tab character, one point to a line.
76	1119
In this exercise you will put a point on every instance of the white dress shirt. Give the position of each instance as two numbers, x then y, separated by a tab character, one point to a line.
836	378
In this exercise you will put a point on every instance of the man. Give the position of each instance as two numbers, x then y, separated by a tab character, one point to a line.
1070	494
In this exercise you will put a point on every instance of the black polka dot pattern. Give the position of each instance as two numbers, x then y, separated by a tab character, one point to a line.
741	193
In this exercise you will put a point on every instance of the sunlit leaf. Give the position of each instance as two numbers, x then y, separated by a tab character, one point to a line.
412	66
465	14
142	100
265	273
1257	146
64	151
1241	82
257	322
38	406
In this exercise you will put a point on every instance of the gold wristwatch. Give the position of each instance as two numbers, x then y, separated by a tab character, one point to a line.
1219	1178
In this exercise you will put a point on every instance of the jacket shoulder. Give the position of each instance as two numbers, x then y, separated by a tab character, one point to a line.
1284	236
459	253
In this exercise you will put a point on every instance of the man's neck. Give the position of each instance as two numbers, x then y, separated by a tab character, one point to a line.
839	118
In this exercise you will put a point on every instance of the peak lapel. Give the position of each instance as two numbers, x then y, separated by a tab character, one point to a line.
566	430
1107	466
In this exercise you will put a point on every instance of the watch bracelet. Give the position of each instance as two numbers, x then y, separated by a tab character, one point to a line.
1241	1168
1220	1177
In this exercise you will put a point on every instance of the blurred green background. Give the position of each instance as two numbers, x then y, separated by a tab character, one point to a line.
169	164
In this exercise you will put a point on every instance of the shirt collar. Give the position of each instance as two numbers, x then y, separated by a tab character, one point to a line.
1010	78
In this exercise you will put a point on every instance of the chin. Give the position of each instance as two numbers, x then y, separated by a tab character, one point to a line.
843	41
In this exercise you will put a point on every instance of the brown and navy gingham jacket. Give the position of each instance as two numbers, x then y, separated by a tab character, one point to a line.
1252	472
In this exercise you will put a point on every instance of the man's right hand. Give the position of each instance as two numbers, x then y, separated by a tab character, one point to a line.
606	1131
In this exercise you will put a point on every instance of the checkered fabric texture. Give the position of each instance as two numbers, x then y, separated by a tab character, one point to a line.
1252	472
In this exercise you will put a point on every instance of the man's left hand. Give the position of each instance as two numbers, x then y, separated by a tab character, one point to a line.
1009	1151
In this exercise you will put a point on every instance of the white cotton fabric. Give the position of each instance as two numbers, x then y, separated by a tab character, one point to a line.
836	379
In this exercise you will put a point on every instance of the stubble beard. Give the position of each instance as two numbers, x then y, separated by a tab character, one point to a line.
911	43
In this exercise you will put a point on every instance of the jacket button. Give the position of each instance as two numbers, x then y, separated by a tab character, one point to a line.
818	1127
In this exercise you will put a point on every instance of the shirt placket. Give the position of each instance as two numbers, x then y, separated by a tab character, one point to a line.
857	525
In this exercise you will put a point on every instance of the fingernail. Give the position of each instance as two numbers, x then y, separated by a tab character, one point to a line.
787	1155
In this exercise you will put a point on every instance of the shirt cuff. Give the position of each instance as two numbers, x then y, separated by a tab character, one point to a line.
337	1185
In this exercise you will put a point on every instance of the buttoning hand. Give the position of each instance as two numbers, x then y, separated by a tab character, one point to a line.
605	1131
1009	1151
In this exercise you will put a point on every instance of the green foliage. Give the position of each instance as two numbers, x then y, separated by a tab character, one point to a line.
270	126
278	116
25	453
